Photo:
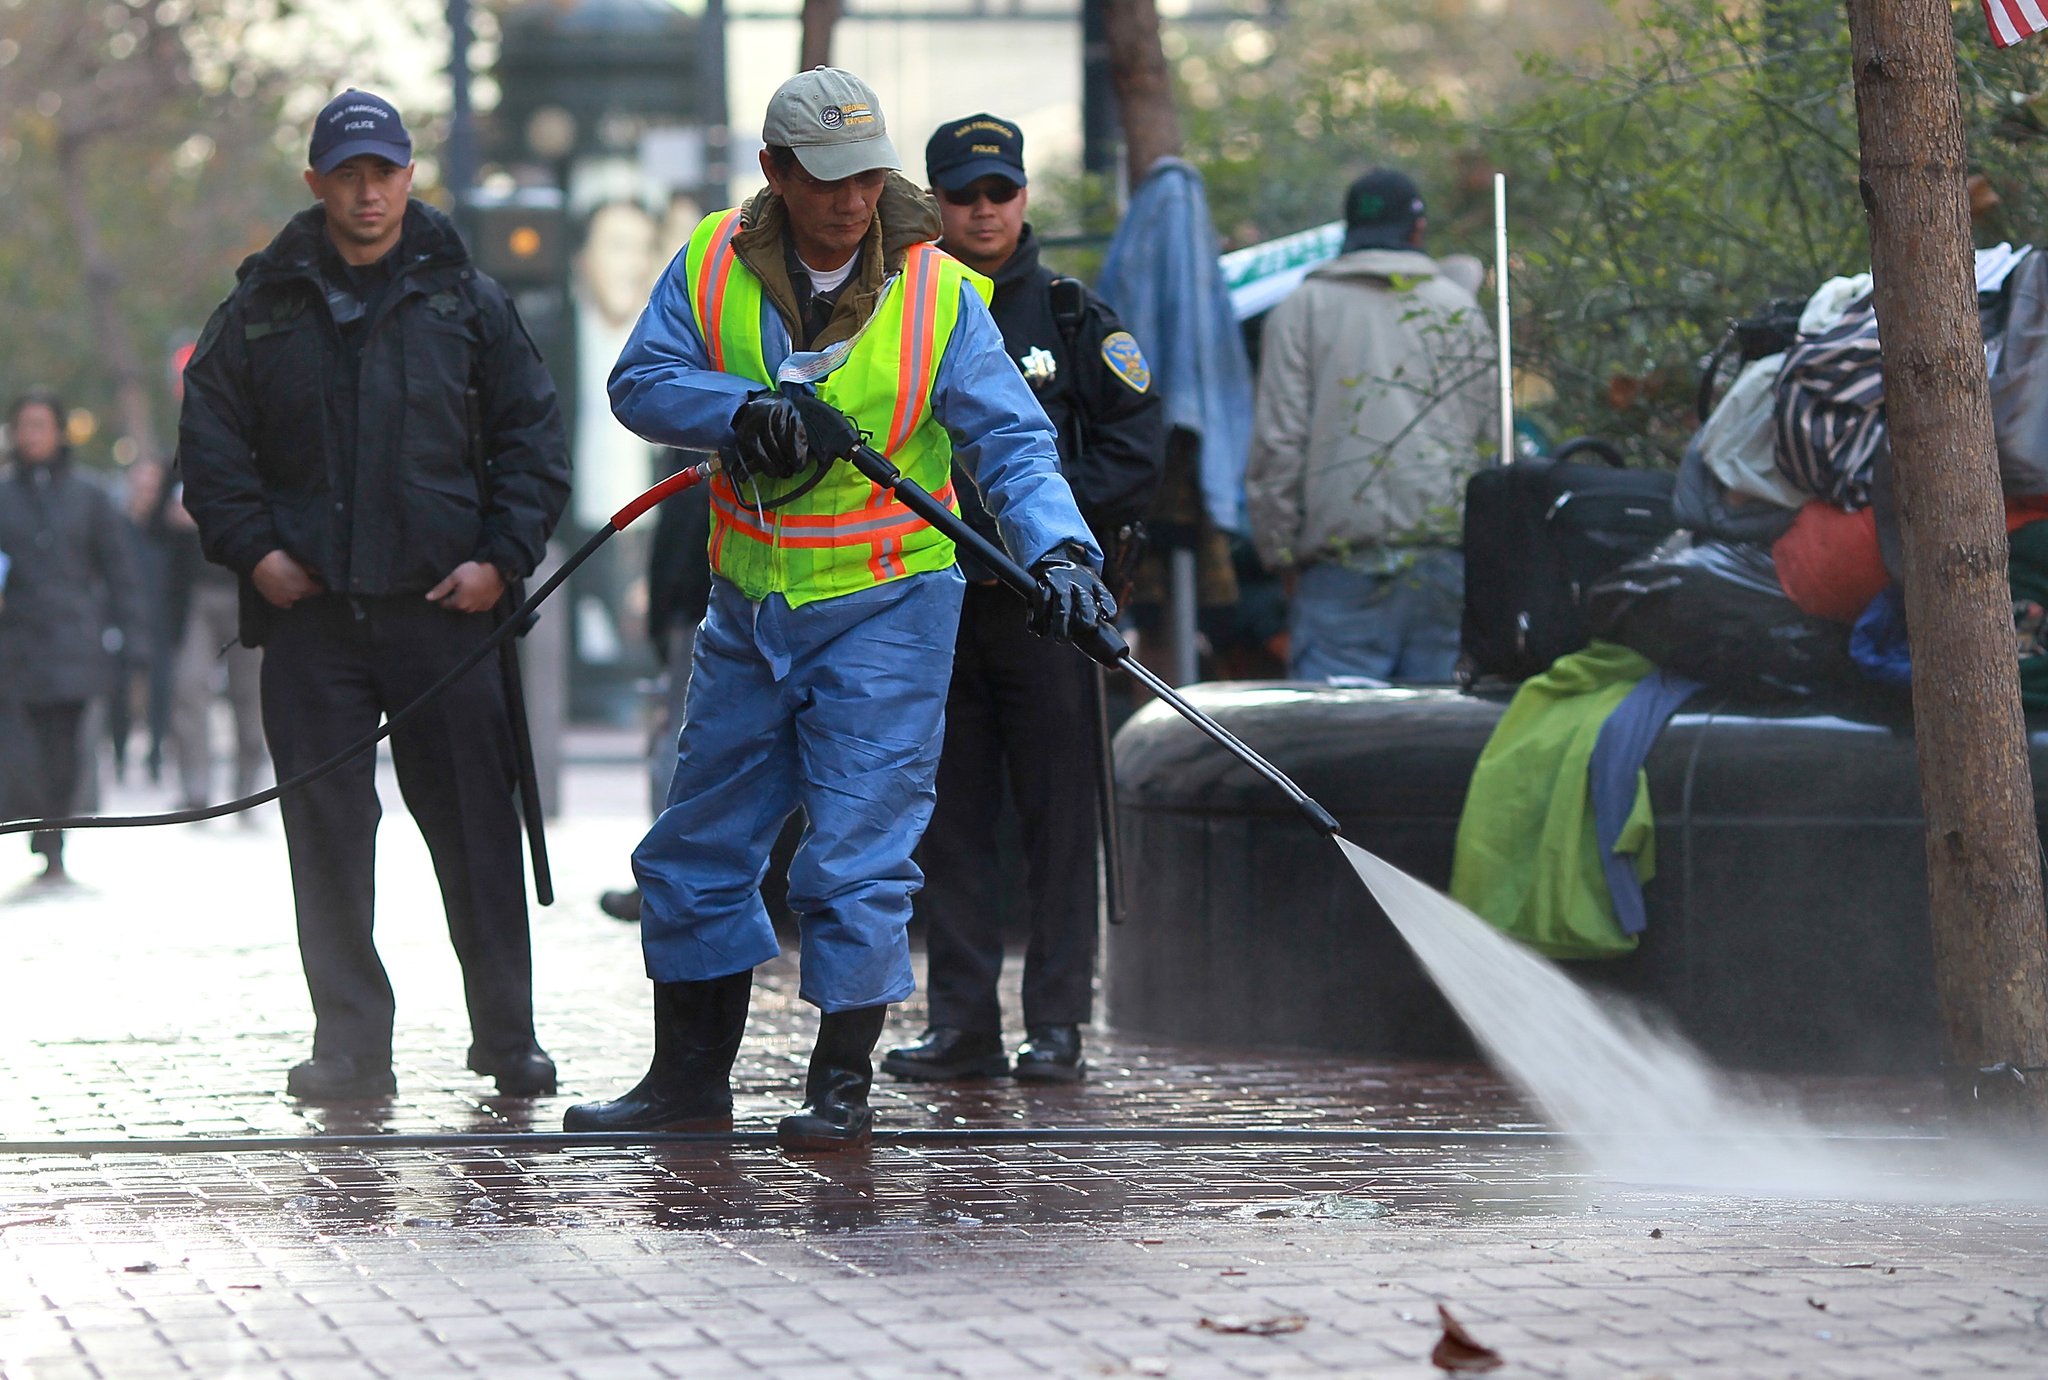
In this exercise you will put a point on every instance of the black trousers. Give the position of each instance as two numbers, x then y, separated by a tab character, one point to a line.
332	669
58	756
1028	704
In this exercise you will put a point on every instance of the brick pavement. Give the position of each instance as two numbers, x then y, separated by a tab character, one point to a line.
165	1000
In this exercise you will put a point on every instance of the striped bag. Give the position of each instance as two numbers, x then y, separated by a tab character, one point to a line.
1828	416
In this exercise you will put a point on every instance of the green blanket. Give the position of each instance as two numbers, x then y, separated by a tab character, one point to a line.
1527	858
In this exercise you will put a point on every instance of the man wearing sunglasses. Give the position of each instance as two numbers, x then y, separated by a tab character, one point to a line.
818	679
1018	707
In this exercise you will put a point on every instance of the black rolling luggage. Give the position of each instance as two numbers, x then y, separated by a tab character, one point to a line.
1537	534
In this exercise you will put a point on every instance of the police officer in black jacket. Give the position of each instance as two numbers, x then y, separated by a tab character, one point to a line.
1019	704
370	441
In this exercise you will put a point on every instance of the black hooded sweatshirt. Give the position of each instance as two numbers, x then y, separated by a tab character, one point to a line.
381	426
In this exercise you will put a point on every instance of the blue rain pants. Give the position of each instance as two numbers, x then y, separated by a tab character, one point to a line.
836	708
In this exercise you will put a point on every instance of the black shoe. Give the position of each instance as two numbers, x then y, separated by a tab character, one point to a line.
340	1078
621	905
688	1087
1051	1054
528	1073
944	1053
835	1114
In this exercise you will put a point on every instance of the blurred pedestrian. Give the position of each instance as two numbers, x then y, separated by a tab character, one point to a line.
371	442
72	606
819	676
1022	711
209	651
1374	405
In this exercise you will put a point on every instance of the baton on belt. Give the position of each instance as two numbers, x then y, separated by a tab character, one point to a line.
522	757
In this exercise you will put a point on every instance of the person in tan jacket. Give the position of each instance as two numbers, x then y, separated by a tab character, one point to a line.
1374	405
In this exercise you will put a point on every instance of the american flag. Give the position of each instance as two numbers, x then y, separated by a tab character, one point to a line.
2013	20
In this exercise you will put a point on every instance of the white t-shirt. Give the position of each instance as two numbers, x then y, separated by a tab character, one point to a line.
829	280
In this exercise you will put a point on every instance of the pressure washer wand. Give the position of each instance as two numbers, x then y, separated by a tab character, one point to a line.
834	434
685	478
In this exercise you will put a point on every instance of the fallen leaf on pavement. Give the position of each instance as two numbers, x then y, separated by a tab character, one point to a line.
1231	1272
147	1267
1457	1351
1656	1233
1256	1327
1816	1303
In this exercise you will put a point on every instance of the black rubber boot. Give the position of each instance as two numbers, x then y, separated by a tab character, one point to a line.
688	1087
835	1114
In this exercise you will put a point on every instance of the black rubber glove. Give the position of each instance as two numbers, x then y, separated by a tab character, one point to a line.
768	439
1071	600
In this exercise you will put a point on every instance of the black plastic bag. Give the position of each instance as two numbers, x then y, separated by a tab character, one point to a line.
1715	612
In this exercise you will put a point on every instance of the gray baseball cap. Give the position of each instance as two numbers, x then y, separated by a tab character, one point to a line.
832	121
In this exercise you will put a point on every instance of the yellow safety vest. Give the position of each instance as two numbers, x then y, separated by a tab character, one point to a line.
845	533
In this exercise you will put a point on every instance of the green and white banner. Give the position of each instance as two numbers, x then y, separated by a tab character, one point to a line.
1259	275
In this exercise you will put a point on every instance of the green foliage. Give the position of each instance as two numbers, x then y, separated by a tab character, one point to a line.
1709	168
1700	161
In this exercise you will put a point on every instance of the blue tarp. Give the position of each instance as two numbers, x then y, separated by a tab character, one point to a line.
1162	277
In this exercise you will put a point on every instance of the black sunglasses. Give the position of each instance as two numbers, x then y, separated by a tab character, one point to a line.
998	194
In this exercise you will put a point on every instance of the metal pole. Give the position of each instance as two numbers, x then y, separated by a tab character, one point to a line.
461	154
1500	288
1183	599
718	134
1098	99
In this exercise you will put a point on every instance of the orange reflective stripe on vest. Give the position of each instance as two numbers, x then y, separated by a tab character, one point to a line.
711	285
880	524
920	322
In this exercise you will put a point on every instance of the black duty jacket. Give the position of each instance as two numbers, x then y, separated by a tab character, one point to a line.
257	439
1094	388
73	598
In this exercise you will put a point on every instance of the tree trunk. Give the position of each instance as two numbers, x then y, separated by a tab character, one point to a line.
1983	847
819	17
103	291
1144	86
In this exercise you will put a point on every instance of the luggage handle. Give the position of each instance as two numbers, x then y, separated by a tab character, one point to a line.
1598	445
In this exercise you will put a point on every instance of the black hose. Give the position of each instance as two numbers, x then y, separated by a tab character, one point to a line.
624	518
1169	1136
505	630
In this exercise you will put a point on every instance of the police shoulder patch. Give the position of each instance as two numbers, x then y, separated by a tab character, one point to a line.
1121	353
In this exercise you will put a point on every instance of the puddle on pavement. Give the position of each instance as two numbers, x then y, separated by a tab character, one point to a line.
949	1188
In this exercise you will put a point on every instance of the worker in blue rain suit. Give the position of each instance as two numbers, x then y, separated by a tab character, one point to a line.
820	672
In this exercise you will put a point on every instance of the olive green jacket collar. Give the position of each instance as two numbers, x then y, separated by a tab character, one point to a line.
904	216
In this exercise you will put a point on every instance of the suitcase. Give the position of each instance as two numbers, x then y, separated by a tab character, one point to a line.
1537	534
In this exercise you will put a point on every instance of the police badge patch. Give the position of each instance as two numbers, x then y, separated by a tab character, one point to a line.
1121	353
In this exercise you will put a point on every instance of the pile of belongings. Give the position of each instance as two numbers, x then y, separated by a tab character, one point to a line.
1782	583
1784	580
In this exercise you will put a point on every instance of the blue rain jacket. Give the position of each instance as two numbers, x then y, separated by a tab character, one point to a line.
664	389
1162	276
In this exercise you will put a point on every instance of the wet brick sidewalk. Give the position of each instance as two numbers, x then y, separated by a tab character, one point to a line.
162	999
